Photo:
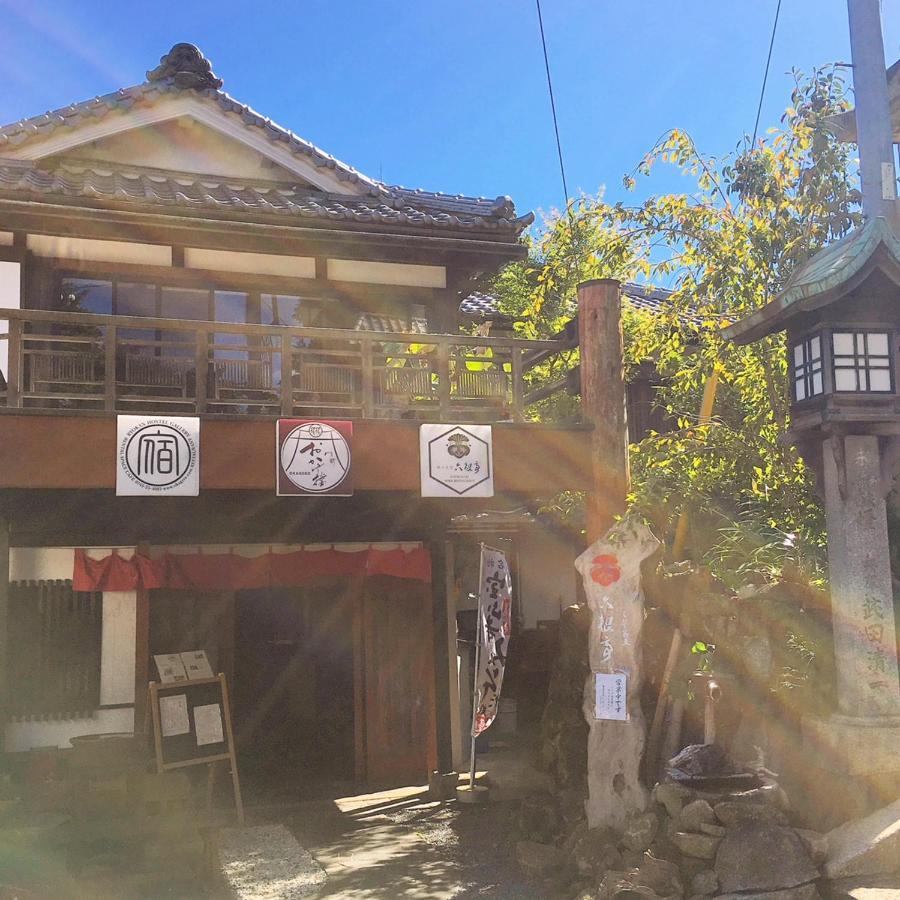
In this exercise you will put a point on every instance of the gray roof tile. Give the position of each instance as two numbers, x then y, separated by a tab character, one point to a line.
182	191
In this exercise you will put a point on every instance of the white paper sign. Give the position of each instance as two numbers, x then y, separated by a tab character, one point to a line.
158	455
456	460
173	715
611	696
208	724
170	667
196	664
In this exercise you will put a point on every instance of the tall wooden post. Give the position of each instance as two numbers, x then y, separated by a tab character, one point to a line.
603	400
873	112
4	627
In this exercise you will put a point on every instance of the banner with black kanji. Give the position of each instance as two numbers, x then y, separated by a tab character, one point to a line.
494	628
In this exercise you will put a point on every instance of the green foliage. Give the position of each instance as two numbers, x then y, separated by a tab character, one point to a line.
728	247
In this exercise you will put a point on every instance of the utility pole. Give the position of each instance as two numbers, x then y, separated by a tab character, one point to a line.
873	114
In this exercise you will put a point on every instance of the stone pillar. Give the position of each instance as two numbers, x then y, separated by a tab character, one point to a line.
862	738
865	643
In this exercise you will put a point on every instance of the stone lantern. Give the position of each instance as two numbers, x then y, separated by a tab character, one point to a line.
841	313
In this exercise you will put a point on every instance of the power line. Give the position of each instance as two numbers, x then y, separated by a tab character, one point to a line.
762	92
562	168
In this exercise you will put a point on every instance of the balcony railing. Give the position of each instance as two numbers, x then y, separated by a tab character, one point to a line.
81	361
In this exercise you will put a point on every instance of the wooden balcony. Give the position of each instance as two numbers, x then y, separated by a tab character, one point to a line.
70	362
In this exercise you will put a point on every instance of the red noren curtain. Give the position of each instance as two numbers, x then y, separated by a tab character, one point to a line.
228	571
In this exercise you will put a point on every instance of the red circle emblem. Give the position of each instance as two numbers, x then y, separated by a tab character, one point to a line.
605	569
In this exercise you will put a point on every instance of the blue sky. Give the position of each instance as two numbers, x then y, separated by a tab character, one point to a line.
450	94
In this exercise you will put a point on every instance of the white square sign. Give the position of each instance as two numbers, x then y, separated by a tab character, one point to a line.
456	460
158	455
611	696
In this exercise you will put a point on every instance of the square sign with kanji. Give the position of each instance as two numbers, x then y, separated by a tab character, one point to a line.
456	460
314	457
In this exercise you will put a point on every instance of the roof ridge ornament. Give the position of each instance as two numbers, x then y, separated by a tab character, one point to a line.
186	67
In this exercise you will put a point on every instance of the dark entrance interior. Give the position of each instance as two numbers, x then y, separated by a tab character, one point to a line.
294	688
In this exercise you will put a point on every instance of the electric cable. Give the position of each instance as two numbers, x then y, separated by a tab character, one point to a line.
762	92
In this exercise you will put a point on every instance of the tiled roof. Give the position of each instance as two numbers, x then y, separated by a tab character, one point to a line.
184	71
821	279
484	306
101	182
141	95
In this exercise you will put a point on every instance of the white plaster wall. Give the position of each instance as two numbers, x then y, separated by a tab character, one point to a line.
183	145
387	273
547	577
88	250
21	736
117	649
10	298
252	263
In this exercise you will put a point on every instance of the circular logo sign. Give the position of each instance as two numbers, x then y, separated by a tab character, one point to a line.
315	457
158	455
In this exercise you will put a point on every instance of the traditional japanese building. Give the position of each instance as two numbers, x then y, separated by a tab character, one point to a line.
169	254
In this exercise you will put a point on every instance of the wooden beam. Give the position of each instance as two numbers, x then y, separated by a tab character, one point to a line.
603	400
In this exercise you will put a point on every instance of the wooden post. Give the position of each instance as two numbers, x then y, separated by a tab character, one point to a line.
14	386
443	367
201	369
873	112
109	368
441	651
603	400
368	379
4	627
287	376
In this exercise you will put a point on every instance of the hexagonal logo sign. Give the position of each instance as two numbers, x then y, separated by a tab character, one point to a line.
456	460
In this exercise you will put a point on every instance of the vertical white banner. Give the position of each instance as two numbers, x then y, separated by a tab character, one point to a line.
494	629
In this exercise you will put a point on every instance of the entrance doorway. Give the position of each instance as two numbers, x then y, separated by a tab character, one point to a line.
294	687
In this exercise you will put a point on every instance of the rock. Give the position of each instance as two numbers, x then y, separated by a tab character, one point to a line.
640	830
624	886
705	883
538	860
593	851
868	846
816	844
660	874
803	892
698	760
763	858
696	814
732	813
714	830
671	796
539	818
700	846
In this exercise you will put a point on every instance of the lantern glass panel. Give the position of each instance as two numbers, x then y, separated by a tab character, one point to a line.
807	372
862	361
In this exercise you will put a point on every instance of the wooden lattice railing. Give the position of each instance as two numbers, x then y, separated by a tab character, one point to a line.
80	361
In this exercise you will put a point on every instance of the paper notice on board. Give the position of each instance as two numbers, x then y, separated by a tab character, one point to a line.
173	715
208	724
196	664
611	696
170	667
